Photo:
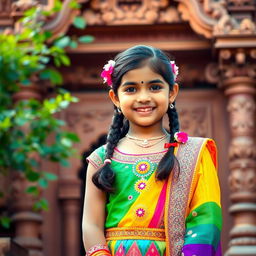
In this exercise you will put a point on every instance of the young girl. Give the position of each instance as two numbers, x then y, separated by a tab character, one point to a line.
150	191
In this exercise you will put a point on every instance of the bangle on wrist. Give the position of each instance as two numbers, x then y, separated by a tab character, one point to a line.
98	250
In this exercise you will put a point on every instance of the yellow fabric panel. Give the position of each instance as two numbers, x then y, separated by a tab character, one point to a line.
205	187
147	201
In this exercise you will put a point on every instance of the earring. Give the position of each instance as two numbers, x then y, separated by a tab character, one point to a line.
171	106
119	111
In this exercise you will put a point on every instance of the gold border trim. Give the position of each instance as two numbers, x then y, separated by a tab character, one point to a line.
135	233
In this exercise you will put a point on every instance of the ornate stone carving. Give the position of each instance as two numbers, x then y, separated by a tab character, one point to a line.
202	15
119	12
237	71
212	73
243	179
240	3
237	63
5	6
241	109
191	117
227	25
5	11
23	5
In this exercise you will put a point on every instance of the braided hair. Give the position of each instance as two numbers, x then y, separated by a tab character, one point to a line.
134	58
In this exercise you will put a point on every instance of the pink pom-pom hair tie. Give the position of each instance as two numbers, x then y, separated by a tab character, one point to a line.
107	72
175	69
181	137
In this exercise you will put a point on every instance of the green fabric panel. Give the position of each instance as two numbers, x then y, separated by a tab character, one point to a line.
207	213
124	187
118	203
203	234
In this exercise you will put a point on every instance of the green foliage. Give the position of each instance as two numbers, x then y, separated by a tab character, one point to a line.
30	127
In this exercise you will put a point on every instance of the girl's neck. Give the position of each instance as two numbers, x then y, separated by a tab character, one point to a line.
146	132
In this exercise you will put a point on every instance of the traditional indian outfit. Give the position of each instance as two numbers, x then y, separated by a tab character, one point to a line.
177	216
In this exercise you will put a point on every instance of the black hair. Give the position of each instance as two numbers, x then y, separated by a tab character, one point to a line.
134	58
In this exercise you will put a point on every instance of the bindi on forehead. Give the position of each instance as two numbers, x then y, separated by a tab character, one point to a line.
142	82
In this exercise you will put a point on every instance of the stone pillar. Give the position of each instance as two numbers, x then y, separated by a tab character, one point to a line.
70	196
26	222
239	86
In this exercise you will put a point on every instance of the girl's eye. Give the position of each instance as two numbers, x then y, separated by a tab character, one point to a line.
130	89
155	87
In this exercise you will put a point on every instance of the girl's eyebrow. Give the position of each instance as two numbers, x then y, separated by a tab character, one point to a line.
129	83
155	81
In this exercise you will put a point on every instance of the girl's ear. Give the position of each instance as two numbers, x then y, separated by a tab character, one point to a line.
174	93
114	98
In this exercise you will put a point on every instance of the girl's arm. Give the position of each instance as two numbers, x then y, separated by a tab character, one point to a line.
94	213
204	221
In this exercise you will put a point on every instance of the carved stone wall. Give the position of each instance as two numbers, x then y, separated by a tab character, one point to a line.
123	12
238	81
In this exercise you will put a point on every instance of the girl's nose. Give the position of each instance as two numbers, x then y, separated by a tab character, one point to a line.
144	97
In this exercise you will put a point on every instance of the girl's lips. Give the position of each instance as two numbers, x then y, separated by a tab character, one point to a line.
144	109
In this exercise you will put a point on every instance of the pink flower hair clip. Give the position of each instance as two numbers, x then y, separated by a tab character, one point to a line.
107	72
181	137
175	69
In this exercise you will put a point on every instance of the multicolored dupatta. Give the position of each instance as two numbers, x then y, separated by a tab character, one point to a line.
192	212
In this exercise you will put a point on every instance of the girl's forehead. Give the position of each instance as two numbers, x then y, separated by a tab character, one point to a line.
145	73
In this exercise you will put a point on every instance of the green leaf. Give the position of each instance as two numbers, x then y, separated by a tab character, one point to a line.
66	142
64	104
73	44
43	183
57	5
32	176
41	205
74	5
65	60
20	121
47	34
5	222
79	22
50	176
64	163
62	42
33	190
73	137
19	157
53	75
26	82
6	123
86	39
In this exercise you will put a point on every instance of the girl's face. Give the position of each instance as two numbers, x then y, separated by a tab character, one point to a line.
143	96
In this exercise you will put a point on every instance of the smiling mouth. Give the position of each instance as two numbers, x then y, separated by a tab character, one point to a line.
144	109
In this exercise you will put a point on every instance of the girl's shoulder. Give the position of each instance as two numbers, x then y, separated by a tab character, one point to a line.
96	158
202	146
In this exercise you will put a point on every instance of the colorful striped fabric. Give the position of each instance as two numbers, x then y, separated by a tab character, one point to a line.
135	212
204	220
